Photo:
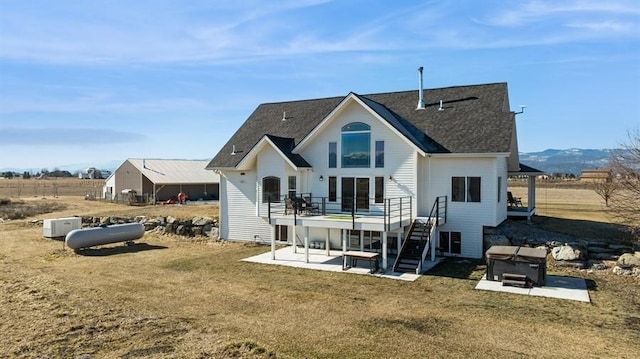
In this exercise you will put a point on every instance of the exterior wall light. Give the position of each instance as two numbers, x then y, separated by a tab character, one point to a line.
321	178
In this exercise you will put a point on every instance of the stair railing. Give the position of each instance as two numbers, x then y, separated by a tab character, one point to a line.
404	246
437	217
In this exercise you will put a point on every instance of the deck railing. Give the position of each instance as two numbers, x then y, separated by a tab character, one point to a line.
391	210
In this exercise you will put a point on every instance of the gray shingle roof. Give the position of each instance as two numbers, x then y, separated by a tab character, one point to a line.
473	121
163	171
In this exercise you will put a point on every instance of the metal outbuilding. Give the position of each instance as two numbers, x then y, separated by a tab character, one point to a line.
162	179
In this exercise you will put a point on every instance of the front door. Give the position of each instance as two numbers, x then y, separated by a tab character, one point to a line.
355	190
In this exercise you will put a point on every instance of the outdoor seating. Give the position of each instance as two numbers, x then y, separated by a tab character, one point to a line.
513	201
310	207
289	206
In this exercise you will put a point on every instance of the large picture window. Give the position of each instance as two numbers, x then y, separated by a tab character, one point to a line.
356	145
465	189
270	189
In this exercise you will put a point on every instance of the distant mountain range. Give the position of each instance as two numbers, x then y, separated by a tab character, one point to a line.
572	160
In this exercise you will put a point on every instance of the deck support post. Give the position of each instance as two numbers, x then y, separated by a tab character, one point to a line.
306	244
327	241
344	247
399	241
361	241
273	243
293	239
384	251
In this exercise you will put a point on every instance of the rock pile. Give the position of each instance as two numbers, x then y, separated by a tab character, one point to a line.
568	251
197	226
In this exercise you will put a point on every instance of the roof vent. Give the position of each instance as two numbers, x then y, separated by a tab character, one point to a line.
233	151
440	108
284	115
421	104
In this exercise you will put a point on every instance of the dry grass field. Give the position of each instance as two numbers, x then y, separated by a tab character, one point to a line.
50	187
170	297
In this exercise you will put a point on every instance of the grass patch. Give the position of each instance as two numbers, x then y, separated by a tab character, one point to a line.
10	209
199	300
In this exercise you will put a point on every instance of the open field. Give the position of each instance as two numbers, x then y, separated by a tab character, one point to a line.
172	297
50	187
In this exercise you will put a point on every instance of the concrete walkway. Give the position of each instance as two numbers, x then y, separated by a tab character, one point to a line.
570	288
319	260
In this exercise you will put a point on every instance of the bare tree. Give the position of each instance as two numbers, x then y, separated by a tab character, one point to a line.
625	164
606	188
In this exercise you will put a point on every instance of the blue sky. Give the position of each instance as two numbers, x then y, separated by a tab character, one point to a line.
95	81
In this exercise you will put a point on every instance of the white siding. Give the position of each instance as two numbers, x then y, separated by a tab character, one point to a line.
501	171
269	164
467	217
238	208
399	158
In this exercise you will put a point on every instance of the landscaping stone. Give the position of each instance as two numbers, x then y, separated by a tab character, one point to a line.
597	265
171	219
570	264
626	271
567	252
628	260
202	221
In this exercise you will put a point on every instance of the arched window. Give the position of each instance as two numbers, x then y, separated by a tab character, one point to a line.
270	189
356	145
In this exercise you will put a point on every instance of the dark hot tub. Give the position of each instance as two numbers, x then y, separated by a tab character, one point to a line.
530	262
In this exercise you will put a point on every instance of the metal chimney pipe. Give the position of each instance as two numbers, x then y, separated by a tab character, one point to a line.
421	104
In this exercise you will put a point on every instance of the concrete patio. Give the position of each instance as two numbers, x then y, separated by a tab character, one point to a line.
319	260
570	288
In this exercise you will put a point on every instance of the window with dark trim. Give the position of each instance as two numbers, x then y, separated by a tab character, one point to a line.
379	189
292	186
333	189
356	145
333	154
499	188
458	189
465	189
450	242
379	154
270	189
473	189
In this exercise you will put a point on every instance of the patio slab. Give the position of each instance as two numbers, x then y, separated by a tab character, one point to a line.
570	288
319	260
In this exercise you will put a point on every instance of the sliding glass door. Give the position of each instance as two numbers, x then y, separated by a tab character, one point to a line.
358	189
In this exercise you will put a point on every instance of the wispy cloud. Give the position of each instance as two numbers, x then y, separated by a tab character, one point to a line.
10	136
525	13
100	102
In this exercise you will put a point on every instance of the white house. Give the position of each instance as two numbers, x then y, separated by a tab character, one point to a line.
413	174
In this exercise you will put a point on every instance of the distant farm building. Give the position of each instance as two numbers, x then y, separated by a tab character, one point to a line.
595	175
90	173
154	180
